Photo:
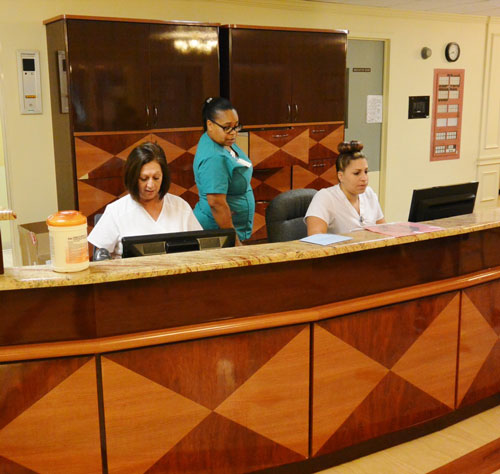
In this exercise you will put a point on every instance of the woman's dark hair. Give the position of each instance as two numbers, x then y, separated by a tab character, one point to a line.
212	106
138	157
348	151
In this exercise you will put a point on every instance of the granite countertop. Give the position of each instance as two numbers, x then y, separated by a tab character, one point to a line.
161	265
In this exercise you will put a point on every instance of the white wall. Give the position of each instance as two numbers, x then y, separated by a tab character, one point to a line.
405	161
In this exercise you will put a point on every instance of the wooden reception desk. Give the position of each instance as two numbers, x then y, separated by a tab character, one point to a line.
283	357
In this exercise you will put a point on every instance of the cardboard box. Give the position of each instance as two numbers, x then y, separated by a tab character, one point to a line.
34	242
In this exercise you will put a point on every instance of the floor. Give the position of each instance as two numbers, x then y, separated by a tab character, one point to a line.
456	449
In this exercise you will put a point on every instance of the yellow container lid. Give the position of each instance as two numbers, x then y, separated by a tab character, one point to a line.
66	219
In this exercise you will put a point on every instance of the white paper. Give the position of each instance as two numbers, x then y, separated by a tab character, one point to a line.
325	239
453	94
441	122
443	80
455	80
452	122
374	109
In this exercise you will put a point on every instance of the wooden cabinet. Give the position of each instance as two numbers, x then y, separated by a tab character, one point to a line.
136	76
283	76
126	79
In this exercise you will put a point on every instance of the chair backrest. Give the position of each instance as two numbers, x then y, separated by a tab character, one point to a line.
96	256
285	215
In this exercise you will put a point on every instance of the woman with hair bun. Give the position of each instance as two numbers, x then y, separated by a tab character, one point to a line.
223	172
349	205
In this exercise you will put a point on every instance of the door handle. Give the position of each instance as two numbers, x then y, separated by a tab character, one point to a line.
296	112
289	112
156	116
147	115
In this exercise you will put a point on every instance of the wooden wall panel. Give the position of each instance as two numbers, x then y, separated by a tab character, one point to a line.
383	370
479	355
49	419
218	405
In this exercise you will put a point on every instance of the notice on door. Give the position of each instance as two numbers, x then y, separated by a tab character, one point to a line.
373	109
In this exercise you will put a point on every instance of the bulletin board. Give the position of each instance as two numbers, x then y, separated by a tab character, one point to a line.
447	114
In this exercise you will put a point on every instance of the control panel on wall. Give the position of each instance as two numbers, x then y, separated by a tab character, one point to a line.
30	93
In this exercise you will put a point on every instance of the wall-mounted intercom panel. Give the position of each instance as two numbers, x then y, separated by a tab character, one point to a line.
30	92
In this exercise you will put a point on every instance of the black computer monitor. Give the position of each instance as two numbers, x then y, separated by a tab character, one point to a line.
442	201
156	244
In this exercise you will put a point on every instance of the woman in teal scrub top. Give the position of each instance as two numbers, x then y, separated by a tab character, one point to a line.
223	172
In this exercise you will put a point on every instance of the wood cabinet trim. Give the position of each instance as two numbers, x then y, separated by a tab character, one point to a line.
252	323
129	132
281	28
131	20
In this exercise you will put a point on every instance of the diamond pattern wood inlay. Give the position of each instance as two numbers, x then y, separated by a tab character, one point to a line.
430	363
263	402
336	394
383	370
61	429
137	414
211	403
479	349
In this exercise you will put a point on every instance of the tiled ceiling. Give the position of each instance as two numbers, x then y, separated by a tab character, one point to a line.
466	7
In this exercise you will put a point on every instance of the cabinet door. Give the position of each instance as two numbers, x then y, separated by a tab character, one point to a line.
260	83
318	76
184	64
109	79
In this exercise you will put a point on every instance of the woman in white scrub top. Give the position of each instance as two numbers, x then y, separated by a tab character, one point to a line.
349	205
148	208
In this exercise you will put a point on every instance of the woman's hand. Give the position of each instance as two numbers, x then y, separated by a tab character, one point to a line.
221	212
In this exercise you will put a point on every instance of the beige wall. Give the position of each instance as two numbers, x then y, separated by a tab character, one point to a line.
405	159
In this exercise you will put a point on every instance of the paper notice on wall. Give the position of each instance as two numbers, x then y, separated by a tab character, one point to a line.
374	109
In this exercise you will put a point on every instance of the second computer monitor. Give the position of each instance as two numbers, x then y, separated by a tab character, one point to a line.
442	201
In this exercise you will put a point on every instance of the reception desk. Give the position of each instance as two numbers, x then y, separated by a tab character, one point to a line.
285	357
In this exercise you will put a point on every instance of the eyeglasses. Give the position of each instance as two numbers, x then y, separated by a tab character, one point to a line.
229	130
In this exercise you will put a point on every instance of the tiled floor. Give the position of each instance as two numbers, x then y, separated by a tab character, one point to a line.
430	452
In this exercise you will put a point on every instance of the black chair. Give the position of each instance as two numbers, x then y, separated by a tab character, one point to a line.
285	215
99	254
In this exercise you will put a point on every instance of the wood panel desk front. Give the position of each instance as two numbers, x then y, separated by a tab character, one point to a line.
246	359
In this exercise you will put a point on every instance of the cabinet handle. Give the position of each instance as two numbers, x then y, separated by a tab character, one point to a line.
147	115
156	115
283	135
289	112
321	130
296	112
319	165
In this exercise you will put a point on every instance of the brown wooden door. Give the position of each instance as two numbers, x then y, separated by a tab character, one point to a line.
184	64
318	76
109	80
260	83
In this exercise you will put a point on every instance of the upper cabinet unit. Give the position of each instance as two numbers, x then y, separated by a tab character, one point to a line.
280	76
139	76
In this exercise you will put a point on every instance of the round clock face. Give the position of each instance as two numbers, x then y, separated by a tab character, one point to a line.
452	52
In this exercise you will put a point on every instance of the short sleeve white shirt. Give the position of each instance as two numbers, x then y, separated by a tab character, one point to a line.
126	217
332	206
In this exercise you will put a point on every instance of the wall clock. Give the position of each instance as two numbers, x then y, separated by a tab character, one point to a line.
452	52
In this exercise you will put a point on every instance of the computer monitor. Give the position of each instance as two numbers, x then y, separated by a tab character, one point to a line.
442	201
156	244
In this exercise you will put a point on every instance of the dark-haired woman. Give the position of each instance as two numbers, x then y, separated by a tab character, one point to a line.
148	208
223	172
349	205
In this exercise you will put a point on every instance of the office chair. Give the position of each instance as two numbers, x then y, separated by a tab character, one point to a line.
99	254
285	215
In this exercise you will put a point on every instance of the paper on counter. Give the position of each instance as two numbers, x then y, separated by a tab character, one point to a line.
402	229
325	239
